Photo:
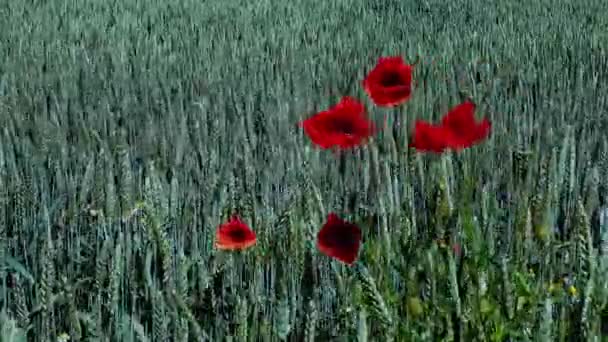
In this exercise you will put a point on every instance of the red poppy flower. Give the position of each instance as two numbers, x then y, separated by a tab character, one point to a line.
234	235
430	138
466	132
343	126
458	130
339	239
390	82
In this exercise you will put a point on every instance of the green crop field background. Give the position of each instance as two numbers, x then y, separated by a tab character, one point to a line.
129	130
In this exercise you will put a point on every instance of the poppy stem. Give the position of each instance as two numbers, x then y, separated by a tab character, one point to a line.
342	164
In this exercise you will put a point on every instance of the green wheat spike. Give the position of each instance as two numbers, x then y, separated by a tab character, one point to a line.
485	208
562	324
284	229
553	187
362	331
430	281
226	211
507	288
543	176
29	193
338	203
181	283
539	201
443	207
126	177
420	170
447	164
523	232
233	190
242	319
21	309
154	193
115	285
3	237
376	181
453	286
372	299
249	191
528	235
305	189
19	207
572	169
603	230
181	292
385	230
86	183
282	324
45	287
584	247
157	234
521	159
397	173
160	324
603	170
545	332
182	140
254	321
3	166
166	260
173	203
587	312
248	206
295	303
110	191
100	290
562	163
601	285
133	284
101	266
566	196
310	334
406	230
314	190
592	186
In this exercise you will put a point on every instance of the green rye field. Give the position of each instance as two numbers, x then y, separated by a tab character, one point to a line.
130	130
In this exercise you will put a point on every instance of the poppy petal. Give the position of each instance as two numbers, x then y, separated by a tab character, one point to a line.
343	126
339	239
466	132
430	138
234	235
389	83
460	118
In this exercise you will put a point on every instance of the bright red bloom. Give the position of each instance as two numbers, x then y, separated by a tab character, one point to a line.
390	82
430	138
343	126
458	130
466	132
234	235
339	239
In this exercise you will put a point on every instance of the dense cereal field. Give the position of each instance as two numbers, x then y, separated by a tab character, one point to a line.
165	174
